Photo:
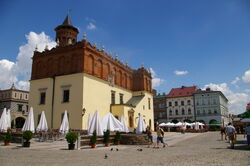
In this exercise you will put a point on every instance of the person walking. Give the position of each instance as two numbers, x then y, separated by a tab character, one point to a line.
160	136
247	133
223	132
149	135
230	130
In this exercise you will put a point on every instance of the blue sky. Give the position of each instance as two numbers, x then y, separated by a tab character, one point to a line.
208	41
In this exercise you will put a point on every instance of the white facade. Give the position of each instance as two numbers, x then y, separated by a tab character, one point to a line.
180	108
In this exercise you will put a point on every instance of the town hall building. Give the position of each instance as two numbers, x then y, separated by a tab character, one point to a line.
78	77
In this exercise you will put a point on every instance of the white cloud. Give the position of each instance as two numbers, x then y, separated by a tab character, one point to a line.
19	72
177	72
155	80
237	101
246	77
91	26
234	82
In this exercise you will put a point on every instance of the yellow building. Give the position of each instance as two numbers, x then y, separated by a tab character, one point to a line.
78	77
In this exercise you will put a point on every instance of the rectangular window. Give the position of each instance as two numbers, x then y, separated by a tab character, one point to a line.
189	102
176	103
65	96
20	107
182	103
170	104
112	97
42	97
149	104
121	98
198	112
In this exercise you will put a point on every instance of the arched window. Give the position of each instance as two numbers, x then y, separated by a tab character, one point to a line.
189	111
183	111
176	112
170	112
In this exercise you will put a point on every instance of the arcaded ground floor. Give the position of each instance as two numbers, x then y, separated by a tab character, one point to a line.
184	149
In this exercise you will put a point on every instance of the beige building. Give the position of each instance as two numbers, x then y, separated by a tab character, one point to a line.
180	104
17	101
78	77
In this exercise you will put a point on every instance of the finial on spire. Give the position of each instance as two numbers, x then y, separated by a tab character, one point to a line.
46	48
103	48
84	36
116	57
36	49
13	86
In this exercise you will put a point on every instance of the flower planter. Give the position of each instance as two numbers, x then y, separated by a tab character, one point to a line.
71	146
6	143
26	144
117	142
93	146
106	144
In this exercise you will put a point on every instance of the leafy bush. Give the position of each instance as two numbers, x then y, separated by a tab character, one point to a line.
93	138
27	136
71	137
106	137
117	136
8	136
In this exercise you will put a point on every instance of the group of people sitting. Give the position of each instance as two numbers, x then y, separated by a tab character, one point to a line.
230	133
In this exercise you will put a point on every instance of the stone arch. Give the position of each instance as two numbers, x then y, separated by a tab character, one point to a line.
98	68
61	65
125	80
106	70
19	122
49	66
90	64
212	121
120	78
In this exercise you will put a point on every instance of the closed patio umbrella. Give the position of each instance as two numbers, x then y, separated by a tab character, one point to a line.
8	118
42	126
89	120
141	126
124	126
109	122
3	121
64	128
95	125
29	122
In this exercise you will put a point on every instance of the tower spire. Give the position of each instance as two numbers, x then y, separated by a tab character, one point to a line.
66	34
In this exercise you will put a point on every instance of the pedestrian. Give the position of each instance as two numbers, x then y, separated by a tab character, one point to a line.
223	132
247	133
160	136
230	130
149	135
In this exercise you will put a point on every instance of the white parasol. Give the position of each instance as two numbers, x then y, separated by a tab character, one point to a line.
29	122
64	128
42	126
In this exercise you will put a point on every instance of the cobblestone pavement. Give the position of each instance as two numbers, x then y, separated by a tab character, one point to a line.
184	149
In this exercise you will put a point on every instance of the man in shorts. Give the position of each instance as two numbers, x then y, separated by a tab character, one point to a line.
230	130
247	133
160	136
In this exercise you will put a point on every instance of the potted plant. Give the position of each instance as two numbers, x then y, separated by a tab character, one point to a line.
27	136
117	138
106	138
93	140
7	137
71	138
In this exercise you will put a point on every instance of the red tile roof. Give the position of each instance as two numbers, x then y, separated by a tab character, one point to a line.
182	92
